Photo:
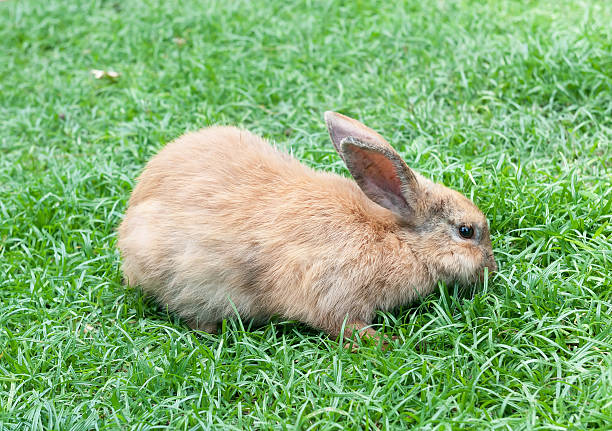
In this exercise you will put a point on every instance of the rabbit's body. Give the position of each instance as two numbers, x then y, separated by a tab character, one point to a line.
220	219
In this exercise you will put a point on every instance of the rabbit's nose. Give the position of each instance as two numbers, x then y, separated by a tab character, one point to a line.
492	265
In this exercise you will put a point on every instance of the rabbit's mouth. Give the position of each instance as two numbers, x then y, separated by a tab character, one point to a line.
487	270
487	267
490	264
478	275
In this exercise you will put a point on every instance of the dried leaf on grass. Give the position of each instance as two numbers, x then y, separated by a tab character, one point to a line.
99	74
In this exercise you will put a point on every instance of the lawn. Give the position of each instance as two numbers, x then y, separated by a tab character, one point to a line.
509	102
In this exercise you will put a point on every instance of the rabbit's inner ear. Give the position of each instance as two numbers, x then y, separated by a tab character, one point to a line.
382	175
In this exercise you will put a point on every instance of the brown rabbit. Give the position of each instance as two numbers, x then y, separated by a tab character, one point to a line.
221	221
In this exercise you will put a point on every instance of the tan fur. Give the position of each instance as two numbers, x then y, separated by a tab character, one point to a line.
219	219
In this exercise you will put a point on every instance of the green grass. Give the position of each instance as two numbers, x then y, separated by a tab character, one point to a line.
509	102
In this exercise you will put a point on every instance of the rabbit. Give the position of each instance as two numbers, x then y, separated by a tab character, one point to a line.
220	223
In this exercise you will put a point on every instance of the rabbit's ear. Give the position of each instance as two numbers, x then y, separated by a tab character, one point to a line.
382	175
341	126
378	169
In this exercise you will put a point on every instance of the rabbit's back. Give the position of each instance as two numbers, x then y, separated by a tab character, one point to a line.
206	160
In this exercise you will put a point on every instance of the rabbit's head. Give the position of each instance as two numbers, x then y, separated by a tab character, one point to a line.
444	229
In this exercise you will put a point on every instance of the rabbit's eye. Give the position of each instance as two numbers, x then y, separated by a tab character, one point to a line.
466	231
